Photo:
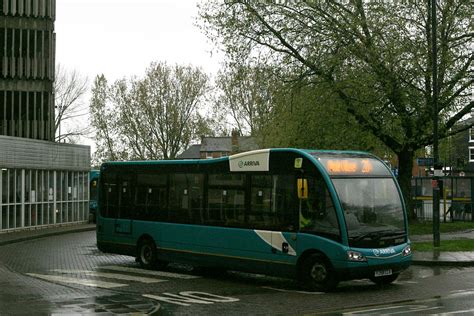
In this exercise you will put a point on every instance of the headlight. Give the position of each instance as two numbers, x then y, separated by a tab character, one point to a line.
406	251
355	256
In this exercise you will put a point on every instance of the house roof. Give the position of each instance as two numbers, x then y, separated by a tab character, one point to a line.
218	144
193	152
245	143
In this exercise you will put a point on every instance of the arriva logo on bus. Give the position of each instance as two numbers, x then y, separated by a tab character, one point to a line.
243	164
386	251
257	160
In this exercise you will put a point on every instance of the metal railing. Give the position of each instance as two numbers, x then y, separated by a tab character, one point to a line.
456	202
450	210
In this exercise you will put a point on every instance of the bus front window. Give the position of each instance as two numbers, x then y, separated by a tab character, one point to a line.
373	211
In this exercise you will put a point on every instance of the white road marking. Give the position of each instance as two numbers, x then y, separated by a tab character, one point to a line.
466	312
392	310
187	298
150	272
176	299
367	281
405	282
461	293
111	276
62	279
292	291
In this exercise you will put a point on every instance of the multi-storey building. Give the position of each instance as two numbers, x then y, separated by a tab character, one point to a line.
42	183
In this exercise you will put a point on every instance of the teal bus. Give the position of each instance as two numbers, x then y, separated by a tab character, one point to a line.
318	216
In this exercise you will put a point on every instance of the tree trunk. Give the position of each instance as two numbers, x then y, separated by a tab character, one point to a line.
405	166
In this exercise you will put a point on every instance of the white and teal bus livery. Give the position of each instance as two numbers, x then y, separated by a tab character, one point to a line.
318	216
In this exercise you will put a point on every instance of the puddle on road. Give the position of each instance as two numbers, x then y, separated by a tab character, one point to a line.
421	272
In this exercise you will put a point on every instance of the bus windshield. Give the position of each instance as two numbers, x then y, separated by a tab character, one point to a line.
373	211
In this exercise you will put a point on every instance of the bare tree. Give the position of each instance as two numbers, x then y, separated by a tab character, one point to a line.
246	95
154	117
70	110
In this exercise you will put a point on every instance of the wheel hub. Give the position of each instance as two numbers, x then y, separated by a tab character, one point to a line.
146	254
318	272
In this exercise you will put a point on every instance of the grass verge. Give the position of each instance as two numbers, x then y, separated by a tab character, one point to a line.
418	228
445	245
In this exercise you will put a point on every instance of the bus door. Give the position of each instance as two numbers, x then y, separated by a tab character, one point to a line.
123	222
317	214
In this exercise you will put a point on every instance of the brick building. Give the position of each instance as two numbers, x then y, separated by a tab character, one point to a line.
215	147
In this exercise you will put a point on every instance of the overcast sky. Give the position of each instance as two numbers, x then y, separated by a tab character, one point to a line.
120	38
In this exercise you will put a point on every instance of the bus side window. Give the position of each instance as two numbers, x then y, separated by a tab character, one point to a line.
261	214
109	195
226	200
272	206
150	197
186	195
126	201
196	195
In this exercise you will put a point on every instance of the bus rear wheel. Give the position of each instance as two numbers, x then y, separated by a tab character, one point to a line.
147	253
384	280
317	274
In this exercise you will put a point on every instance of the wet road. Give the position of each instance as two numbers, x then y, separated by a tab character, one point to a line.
67	274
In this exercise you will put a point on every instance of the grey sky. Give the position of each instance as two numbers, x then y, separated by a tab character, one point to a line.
120	38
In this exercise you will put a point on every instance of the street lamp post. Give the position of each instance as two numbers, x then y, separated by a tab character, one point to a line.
437	169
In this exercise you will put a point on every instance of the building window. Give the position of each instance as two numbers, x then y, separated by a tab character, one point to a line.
471	134
471	154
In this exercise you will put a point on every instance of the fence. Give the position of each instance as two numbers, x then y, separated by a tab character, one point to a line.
455	201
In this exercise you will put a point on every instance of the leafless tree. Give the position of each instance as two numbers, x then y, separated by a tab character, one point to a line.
154	117
70	110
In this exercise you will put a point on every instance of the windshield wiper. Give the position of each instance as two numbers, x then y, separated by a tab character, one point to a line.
393	233
376	235
370	235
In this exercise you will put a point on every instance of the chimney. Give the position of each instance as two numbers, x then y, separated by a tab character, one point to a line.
235	141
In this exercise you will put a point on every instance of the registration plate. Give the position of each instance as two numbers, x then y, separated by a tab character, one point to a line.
380	273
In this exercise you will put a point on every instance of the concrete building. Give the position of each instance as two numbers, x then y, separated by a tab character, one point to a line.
42	183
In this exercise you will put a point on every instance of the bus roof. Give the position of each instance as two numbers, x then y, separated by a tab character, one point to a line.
308	152
333	162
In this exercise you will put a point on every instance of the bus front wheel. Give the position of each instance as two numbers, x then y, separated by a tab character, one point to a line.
317	274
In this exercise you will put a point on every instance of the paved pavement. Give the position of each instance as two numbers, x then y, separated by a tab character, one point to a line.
34	233
461	258
447	258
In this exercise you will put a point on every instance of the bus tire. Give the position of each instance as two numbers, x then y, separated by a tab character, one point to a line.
317	274
384	280
147	253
